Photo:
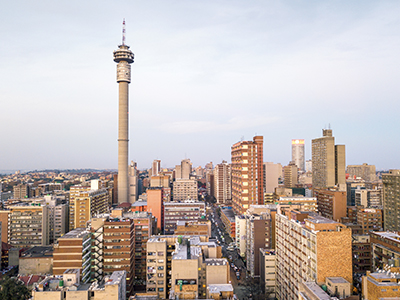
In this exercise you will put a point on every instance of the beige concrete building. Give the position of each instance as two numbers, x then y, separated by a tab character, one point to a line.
70	287
247	174
175	263
337	288
36	260
364	171
381	285
28	225
309	248
290	175
267	271
368	198
185	189
183	170
391	196
85	202
385	249
222	182
307	203
184	211
328	161
133	180
272	173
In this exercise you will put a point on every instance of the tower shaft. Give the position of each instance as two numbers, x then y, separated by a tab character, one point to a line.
123	143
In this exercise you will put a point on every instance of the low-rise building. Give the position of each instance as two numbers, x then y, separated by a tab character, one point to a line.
69	286
381	285
36	260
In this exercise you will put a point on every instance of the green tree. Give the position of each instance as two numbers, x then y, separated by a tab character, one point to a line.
12	289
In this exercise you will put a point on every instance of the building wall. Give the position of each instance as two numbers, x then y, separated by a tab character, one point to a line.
28	266
155	206
391	196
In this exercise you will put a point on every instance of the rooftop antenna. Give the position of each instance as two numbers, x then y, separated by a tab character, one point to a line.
329	126
123	33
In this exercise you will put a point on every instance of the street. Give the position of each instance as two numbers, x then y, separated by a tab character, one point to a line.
241	285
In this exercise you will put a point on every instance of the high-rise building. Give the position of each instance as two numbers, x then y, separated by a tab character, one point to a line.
391	196
368	198
298	156
124	57
247	174
309	248
21	191
155	205
328	161
222	182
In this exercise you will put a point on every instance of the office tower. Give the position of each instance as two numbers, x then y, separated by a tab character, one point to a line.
210	182
160	181
57	218
247	174
298	154
309	165
332	204
72	251
85	202
290	175
185	211
364	171
133	182
124	57
156	167
309	248
222	182
28	225
272	173
328	161
391	196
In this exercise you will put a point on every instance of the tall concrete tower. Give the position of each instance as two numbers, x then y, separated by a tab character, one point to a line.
123	57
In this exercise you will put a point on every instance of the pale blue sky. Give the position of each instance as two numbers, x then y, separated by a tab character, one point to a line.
206	74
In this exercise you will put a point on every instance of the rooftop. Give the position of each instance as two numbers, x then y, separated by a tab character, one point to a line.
217	288
38	251
75	234
337	280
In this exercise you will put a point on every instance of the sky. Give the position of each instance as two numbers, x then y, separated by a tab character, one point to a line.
206	75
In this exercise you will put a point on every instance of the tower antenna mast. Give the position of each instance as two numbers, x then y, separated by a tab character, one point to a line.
123	32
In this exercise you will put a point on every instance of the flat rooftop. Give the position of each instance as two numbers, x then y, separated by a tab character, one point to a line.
38	251
76	233
337	280
217	288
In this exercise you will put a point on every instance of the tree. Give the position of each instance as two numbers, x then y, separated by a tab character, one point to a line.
12	289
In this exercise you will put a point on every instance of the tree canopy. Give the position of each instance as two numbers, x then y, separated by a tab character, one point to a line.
12	289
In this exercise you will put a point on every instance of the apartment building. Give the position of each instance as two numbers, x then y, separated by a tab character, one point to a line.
28	225
307	203
290	173
332	204
385	249
364	171
309	248
362	253
370	219
70	287
247	174
368	198
222	183
258	235
267	271
183	211
391	196
73	251
85	202
160	252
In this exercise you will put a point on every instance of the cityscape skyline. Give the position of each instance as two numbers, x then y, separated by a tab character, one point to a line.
205	76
